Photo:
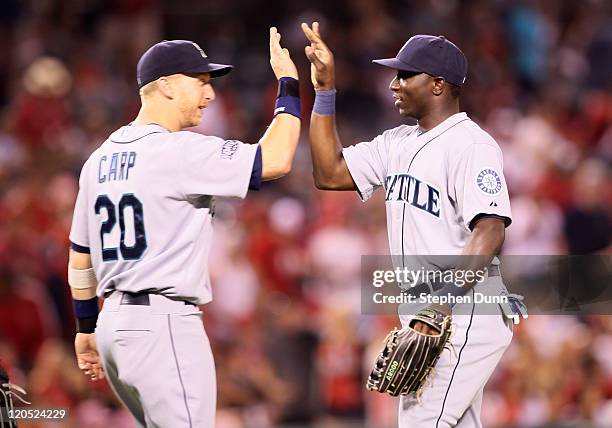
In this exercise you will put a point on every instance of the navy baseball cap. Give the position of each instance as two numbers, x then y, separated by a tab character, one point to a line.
173	57
434	55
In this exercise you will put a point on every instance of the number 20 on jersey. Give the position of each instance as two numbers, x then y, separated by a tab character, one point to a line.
114	211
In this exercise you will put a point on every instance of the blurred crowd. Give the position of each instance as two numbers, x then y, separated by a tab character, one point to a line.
290	343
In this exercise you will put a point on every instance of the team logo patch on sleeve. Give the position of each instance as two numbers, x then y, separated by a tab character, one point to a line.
489	181
228	149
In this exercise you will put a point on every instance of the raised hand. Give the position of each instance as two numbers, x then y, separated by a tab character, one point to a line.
322	69
281	62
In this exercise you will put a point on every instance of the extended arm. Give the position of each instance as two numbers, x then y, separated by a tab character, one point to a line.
280	140
278	146
329	167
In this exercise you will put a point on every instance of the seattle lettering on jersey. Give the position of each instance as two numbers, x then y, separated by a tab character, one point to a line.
118	168
408	189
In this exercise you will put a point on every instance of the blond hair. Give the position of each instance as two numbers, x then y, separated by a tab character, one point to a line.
148	89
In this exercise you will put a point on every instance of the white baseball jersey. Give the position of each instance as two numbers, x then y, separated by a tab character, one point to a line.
145	206
436	183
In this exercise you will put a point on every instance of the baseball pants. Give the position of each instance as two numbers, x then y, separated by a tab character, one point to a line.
453	398
157	359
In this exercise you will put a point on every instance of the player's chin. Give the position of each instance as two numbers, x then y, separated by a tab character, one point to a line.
401	108
404	112
197	117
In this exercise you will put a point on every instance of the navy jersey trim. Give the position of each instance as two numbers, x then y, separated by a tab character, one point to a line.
79	248
467	333
135	139
255	182
507	220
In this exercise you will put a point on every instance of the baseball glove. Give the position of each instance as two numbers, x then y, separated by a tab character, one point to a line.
406	360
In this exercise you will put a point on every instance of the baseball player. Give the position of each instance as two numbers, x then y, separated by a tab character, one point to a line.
445	195
142	230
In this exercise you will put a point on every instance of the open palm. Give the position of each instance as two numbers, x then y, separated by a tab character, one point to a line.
320	57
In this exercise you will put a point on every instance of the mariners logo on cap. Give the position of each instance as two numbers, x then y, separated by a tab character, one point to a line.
195	45
489	182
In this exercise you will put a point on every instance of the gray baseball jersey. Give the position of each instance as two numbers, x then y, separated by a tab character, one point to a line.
436	183
145	206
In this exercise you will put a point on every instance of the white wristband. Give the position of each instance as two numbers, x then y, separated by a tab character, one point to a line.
82	279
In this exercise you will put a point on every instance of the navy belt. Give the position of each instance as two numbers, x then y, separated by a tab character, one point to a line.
141	299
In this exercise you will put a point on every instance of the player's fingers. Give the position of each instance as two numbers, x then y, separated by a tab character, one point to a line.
82	364
431	331
424	328
419	326
97	373
273	40
316	29
310	35
88	359
313	58
275	47
307	32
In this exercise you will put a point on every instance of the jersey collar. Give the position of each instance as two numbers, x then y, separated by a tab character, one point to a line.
444	126
131	132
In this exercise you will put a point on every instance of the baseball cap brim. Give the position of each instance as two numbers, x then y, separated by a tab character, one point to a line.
218	70
396	64
215	70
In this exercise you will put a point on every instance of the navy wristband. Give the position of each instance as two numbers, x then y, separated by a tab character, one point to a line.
288	97
325	103
85	308
86	325
288	87
86	312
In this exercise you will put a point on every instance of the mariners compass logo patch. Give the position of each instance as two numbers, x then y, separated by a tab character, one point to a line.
489	182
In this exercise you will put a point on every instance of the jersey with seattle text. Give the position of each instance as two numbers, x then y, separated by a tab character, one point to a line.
145	206
436	183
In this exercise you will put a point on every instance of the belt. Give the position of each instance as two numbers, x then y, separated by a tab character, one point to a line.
141	299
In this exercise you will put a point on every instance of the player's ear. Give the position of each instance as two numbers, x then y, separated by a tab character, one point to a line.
437	86
165	86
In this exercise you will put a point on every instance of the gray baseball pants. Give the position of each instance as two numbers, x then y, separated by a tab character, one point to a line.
158	360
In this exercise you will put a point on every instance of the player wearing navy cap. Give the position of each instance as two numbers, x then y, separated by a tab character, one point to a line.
142	230
445	195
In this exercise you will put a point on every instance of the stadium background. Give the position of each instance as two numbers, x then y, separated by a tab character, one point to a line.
290	343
